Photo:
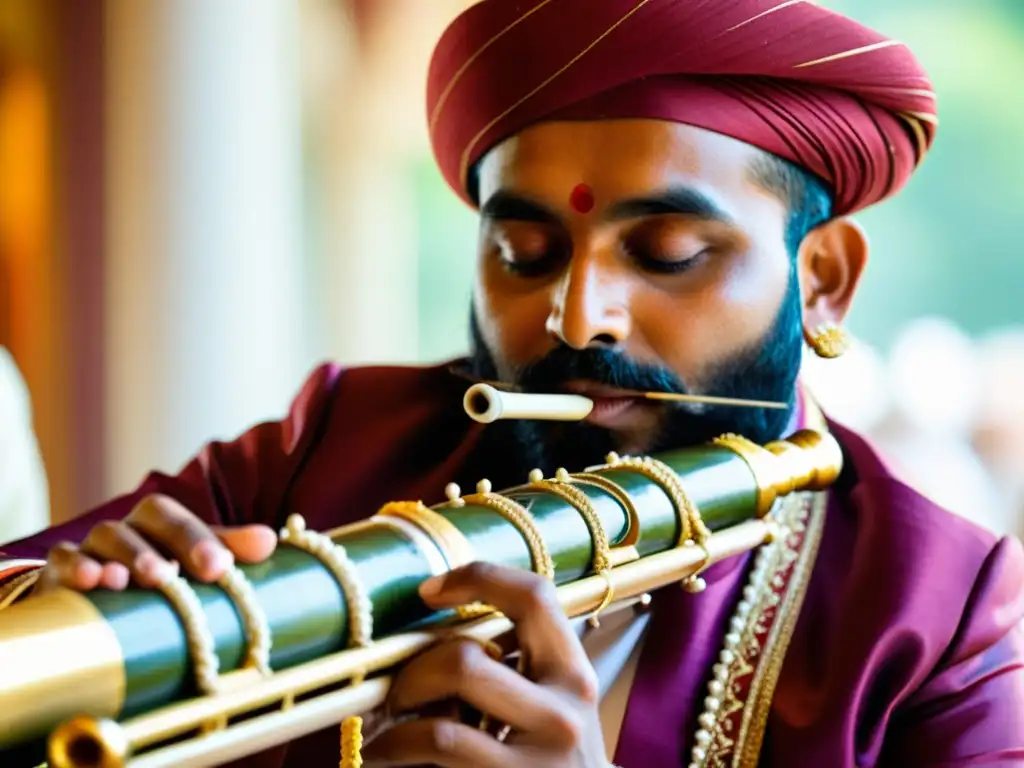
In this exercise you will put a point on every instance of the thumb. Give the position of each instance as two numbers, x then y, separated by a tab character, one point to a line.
248	543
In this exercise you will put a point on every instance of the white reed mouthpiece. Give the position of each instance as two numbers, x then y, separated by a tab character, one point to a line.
485	404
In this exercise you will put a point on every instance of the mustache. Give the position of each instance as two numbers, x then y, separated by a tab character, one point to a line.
600	366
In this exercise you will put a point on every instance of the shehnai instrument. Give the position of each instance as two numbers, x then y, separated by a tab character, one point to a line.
486	403
200	675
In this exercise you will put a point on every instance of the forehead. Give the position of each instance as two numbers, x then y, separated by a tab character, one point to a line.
618	158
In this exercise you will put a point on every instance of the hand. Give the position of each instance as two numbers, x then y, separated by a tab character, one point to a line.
551	708
116	553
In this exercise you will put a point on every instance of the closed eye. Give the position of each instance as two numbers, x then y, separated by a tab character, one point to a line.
528	249
670	264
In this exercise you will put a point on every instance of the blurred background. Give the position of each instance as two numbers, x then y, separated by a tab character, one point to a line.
201	200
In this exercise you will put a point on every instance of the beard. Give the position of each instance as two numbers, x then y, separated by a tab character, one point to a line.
767	370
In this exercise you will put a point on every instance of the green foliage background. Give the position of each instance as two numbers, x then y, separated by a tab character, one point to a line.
949	244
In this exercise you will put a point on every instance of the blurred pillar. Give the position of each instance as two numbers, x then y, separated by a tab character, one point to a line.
369	266
366	63
363	203
79	243
33	300
205	288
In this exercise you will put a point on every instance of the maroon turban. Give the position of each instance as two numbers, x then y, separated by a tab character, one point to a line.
792	78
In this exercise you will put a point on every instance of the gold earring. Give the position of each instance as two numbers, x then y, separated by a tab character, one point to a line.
828	340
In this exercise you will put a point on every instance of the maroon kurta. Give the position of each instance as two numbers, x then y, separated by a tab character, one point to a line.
908	650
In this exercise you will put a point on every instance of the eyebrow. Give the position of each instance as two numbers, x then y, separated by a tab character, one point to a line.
507	206
684	201
679	201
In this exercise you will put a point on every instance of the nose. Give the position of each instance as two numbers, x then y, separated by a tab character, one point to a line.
588	306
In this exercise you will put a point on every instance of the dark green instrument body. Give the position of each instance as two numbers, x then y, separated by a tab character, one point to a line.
305	606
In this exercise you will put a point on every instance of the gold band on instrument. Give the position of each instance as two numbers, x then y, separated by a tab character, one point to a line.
692	529
691	525
578	500
449	539
517	515
602	562
254	620
762	465
424	545
625	551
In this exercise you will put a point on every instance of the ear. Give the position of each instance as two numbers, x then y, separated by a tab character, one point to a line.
830	263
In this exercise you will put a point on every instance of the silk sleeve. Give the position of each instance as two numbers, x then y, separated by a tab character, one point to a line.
970	712
245	480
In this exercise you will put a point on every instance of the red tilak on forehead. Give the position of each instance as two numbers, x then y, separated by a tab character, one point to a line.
581	199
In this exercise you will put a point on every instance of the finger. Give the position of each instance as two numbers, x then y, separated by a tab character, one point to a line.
249	543
167	523
67	567
375	722
437	742
115	576
118	544
463	669
552	648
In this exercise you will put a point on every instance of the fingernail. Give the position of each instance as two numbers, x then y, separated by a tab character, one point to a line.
116	575
88	572
209	555
432	586
151	567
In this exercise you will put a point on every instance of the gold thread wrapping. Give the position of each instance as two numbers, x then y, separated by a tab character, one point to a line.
691	524
579	501
520	518
625	551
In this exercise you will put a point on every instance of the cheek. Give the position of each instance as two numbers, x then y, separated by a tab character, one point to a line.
512	322
726	309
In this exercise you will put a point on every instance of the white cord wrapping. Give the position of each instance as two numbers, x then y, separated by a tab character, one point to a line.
197	632
254	620
336	559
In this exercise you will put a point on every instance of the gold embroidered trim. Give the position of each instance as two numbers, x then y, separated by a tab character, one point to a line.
809	528
758	638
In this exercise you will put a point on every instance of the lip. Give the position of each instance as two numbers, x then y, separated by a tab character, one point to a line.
593	390
613	407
